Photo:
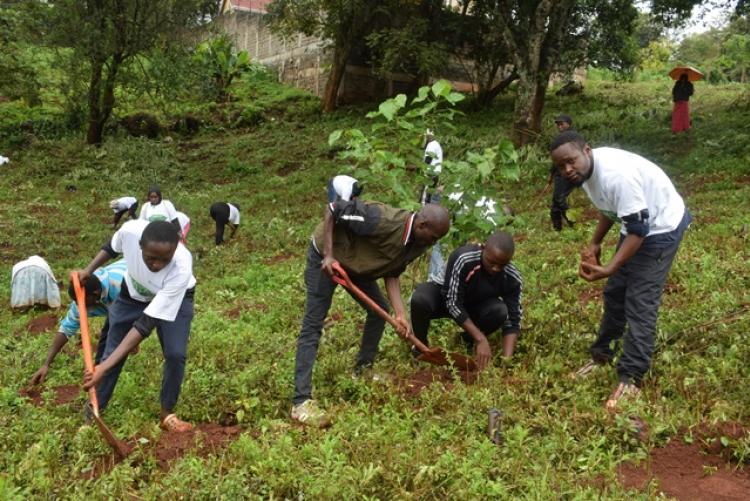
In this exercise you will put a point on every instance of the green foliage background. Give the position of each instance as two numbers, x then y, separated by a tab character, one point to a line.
559	442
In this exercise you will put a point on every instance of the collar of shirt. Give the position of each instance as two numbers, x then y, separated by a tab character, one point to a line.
407	228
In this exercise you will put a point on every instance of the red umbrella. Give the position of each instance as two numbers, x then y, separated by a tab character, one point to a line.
692	73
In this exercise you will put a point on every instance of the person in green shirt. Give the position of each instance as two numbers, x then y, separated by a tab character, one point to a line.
370	240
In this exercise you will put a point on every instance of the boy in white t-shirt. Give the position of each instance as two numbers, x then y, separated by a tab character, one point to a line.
157	292
122	205
625	187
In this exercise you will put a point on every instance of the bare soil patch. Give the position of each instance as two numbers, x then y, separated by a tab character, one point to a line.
203	440
279	258
590	294
695	471
45	323
63	394
413	385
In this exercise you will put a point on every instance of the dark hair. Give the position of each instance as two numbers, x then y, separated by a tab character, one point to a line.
502	241
564	118
91	287
565	137
160	231
154	188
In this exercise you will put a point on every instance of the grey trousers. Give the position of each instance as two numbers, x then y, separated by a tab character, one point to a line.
632	297
320	290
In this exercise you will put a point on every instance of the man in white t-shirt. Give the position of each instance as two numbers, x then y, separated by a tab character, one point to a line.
157	292
625	187
122	205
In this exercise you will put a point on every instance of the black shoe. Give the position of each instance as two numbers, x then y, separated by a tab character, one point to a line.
556	220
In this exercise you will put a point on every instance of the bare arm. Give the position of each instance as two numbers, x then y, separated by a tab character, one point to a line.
57	343
98	261
629	247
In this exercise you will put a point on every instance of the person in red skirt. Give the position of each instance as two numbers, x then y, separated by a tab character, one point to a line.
681	93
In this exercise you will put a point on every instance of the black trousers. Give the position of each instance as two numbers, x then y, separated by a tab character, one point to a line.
631	298
427	303
561	189
320	289
220	214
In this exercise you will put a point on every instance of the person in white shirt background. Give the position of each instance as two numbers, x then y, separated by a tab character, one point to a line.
225	213
184	221
123	205
628	188
157	292
158	209
343	187
433	157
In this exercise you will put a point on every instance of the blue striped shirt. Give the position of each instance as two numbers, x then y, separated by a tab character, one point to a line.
110	278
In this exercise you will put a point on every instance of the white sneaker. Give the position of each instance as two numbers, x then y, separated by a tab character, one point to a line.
308	413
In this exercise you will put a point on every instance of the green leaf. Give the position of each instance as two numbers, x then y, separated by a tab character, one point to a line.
422	94
334	136
455	97
441	88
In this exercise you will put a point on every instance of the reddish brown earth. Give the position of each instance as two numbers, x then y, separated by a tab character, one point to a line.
279	258
592	294
45	323
203	440
63	394
696	471
413	385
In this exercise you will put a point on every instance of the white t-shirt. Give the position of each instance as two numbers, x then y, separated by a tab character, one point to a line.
163	211
163	290
183	219
624	183
434	151
122	203
234	214
343	186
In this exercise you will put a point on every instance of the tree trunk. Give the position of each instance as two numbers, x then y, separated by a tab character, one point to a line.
522	111
101	98
96	126
338	66
486	96
527	114
537	104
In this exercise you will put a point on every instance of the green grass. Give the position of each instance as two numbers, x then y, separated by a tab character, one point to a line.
558	440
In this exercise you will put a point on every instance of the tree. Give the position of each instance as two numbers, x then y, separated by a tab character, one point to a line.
341	23
106	34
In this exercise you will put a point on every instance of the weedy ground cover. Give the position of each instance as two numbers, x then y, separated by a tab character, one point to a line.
386	442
